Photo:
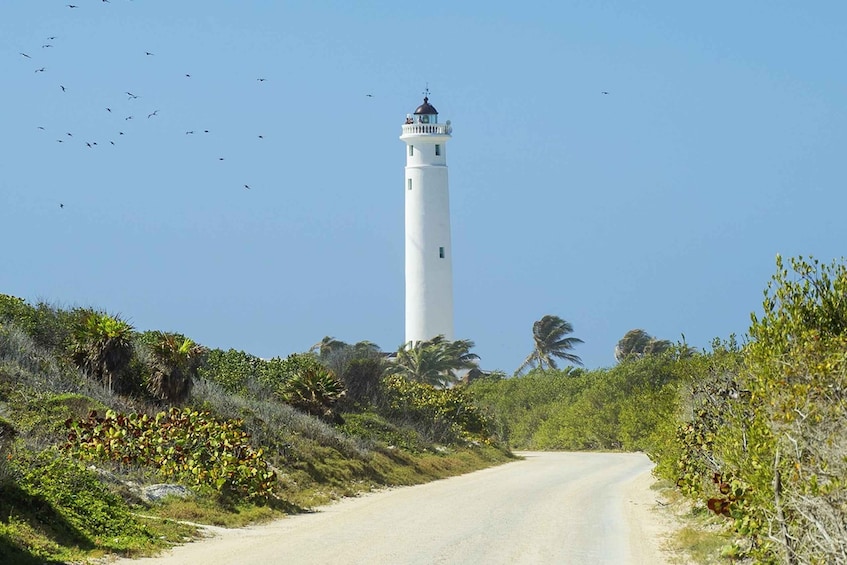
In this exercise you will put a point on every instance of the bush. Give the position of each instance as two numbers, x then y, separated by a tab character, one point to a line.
443	415
62	497
232	370
787	434
184	445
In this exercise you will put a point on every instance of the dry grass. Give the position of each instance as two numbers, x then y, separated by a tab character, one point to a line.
701	536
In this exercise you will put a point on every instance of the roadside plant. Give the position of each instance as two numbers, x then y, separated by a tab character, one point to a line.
444	415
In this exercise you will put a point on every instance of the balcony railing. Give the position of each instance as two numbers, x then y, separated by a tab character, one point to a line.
412	129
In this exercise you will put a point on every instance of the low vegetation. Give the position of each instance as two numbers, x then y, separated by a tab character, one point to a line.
751	435
94	413
755	435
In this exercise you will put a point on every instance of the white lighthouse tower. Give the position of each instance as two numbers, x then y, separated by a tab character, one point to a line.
429	270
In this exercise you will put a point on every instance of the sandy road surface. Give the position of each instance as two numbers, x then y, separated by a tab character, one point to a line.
556	508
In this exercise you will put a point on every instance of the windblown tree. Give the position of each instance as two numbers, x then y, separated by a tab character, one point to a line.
434	361
638	343
101	345
327	346
550	337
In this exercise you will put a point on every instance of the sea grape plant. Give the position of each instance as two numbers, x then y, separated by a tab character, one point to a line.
184	445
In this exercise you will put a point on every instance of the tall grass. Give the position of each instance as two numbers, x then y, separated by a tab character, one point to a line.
26	366
272	423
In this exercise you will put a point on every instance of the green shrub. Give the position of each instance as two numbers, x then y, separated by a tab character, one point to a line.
184	445
443	415
232	370
373	427
70	502
786	439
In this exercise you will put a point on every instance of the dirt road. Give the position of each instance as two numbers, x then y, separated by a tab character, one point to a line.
556	508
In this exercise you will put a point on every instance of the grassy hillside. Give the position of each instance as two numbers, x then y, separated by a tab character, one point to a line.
82	435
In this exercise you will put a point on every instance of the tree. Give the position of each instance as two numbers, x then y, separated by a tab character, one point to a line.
434	361
327	346
174	366
638	343
101	345
549	333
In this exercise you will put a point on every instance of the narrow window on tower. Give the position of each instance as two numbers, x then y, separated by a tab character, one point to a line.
441	253
411	150
437	149
409	183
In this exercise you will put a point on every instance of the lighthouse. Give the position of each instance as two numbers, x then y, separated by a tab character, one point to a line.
429	254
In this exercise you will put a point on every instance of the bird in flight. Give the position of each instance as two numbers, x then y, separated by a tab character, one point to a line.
148	53
108	109
369	95
71	6
61	205
40	127
261	79
112	142
62	87
41	70
205	131
25	55
187	75
261	137
51	38
604	92
70	134
60	140
153	113
131	96
220	158
46	45
120	133
128	118
189	132
88	144
247	186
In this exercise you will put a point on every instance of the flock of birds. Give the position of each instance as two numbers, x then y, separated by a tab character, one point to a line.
67	137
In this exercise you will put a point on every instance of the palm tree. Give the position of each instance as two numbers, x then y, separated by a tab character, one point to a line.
176	360
327	346
549	333
637	343
101	345
434	361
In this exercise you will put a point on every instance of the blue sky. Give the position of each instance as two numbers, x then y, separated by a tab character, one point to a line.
660	205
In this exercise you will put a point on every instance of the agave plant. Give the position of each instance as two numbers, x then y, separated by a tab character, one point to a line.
101	345
174	365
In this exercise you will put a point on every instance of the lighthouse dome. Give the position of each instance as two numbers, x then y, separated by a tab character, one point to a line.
426	108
